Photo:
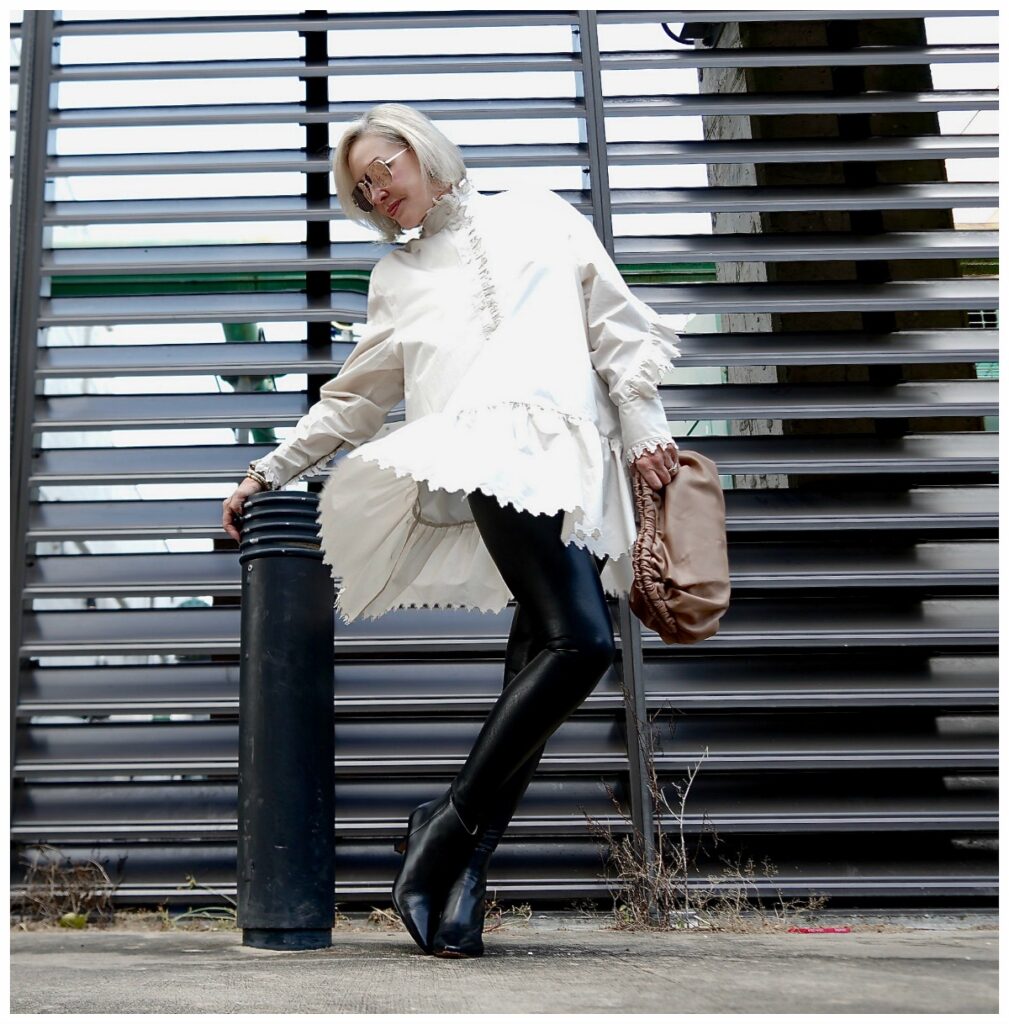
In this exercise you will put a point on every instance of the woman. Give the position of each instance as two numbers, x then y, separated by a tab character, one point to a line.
529	373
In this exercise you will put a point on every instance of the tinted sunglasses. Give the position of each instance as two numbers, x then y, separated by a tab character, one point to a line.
378	174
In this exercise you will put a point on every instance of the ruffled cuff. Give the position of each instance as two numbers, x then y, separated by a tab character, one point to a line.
643	423
644	379
648	444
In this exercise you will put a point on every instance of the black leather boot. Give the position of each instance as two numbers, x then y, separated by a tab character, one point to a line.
561	589
436	848
460	931
561	586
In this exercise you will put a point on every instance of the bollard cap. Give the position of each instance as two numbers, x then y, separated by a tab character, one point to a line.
283	499
277	523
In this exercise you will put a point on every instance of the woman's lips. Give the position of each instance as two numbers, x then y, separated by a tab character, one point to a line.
395	206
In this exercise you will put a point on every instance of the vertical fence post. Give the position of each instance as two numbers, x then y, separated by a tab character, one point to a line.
638	768
590	90
632	665
28	194
286	857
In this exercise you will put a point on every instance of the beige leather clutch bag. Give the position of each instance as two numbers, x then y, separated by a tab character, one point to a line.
681	566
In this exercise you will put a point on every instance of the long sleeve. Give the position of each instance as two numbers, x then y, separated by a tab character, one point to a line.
630	345
353	405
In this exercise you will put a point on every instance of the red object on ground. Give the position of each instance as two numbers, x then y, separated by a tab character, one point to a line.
817	931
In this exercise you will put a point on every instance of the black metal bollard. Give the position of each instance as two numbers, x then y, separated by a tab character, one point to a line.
286	865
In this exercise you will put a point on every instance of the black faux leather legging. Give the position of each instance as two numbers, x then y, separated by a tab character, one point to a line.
560	646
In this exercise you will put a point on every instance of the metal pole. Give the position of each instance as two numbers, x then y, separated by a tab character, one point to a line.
591	91
286	857
632	664
27	201
638	768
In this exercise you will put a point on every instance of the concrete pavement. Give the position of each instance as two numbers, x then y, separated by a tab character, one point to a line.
551	964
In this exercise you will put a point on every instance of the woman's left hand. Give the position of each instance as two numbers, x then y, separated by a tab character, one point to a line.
657	468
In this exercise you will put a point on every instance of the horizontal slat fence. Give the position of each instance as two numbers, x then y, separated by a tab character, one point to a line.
842	721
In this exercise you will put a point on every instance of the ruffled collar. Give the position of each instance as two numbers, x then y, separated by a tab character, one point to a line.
449	209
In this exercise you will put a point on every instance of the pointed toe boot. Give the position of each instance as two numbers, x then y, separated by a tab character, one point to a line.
460	929
436	847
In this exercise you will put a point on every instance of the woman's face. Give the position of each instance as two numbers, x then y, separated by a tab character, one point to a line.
409	195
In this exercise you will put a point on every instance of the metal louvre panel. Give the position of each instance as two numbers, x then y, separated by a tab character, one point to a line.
488	63
946	509
755	566
211	259
775	16
392	746
90	412
430	19
950	398
380	65
914	510
957	293
966	452
695	350
373	686
852	687
924	147
832	401
582	745
727	248
800	57
304	22
839	348
149	811
521	107
223	358
199	309
727	198
563	869
773	623
926	195
208	259
167	211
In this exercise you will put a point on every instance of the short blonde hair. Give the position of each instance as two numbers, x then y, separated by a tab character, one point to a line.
440	159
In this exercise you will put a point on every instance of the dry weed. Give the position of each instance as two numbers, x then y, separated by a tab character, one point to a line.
220	918
496	915
58	891
660	891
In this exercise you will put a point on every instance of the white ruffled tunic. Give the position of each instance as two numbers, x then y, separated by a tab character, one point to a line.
528	369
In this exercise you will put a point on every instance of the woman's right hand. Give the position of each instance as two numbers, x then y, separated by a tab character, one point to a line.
233	505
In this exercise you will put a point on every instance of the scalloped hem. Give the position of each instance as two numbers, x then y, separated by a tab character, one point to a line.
395	523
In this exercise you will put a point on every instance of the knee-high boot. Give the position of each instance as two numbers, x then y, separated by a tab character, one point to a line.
460	928
460	931
539	700
443	833
564	670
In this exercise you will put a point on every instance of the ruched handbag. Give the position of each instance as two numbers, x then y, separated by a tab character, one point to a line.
680	558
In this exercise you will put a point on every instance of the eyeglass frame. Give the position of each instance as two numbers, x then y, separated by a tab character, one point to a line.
358	187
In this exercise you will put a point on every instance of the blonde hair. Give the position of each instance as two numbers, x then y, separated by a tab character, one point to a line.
440	159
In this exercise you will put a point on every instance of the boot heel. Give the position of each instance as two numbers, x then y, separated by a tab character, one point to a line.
400	844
